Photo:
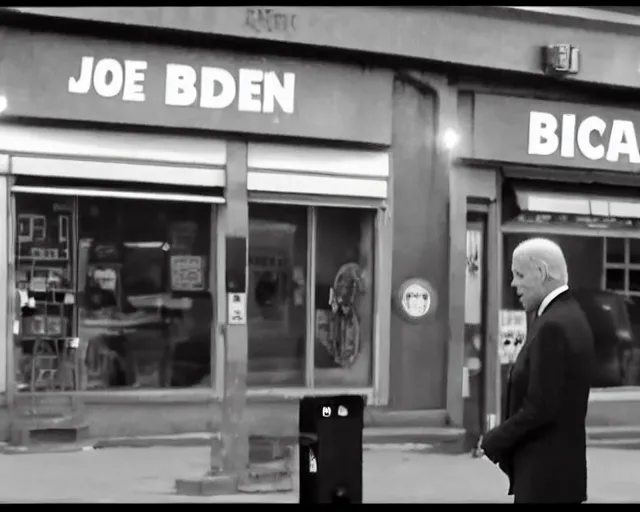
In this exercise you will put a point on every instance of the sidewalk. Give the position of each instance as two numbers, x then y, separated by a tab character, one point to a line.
391	476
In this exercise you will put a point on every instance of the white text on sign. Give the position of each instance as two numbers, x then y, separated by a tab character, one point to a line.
595	138
210	87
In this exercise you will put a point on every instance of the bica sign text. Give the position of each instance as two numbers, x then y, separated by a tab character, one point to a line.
250	90
594	137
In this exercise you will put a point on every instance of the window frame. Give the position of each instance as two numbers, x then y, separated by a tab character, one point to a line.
311	203
626	266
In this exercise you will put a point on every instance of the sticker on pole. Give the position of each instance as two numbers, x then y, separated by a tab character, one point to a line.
313	464
342	411
237	308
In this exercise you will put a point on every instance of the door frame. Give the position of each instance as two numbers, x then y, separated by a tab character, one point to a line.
477	191
491	403
477	221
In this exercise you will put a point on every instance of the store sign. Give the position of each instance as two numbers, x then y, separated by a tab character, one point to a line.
249	90
552	133
137	84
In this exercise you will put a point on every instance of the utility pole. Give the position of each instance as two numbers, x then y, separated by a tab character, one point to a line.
229	457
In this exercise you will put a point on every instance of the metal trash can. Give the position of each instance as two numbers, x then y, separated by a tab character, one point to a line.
331	449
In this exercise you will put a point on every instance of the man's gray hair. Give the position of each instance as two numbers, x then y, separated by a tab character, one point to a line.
546	253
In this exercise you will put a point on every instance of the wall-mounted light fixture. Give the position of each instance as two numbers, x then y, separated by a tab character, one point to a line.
561	59
450	139
3	103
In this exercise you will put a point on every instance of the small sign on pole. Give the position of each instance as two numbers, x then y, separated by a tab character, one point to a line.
237	308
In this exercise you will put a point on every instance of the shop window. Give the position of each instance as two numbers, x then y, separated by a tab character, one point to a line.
626	265
123	301
615	279
276	295
343	297
286	338
615	250
607	284
634	250
622	266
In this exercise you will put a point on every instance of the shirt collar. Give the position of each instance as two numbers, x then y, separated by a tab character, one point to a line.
547	300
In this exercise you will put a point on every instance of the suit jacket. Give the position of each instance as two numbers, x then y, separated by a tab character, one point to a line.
541	445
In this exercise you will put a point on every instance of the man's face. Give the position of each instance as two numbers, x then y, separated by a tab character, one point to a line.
528	282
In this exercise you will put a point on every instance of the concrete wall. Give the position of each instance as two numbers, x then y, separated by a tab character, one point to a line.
420	249
454	34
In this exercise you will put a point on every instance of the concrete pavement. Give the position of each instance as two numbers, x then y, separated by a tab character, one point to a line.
147	475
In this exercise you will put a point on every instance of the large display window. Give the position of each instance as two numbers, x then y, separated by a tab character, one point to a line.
112	293
310	296
599	237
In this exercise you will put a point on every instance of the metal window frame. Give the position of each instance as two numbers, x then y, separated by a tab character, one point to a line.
7	282
379	377
626	265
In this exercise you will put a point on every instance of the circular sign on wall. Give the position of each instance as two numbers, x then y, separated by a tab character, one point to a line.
416	299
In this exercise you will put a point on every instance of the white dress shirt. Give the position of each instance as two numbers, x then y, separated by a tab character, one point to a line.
547	300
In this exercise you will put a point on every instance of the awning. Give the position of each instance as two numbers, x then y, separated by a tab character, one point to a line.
540	201
541	210
109	188
96	154
311	170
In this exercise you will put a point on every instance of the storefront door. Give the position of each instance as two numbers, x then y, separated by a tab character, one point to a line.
475	325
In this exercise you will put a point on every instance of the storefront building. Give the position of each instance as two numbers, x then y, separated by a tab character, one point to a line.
146	187
140	184
565	169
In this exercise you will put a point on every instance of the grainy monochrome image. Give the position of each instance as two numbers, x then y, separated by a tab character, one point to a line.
320	254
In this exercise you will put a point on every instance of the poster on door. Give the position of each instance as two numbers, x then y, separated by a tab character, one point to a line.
187	273
473	278
513	332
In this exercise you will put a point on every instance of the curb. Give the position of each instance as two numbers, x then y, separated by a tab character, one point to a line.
205	440
195	440
44	449
177	443
621	444
180	440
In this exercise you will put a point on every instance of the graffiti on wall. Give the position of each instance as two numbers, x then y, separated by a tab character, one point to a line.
263	20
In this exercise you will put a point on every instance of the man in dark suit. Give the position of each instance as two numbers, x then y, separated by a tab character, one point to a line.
541	444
